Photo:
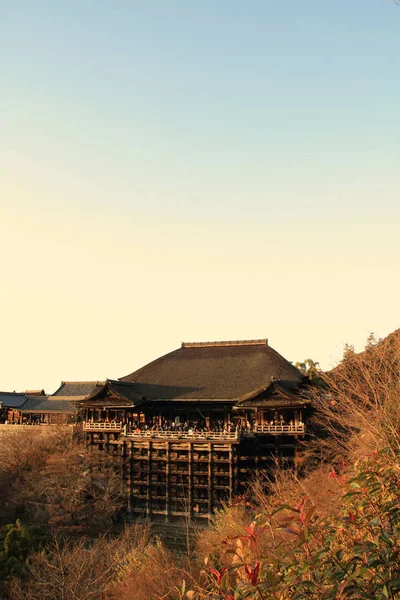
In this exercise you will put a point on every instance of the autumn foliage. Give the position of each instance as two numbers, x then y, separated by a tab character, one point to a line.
352	554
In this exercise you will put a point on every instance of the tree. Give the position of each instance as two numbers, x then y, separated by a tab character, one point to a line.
361	398
310	368
17	542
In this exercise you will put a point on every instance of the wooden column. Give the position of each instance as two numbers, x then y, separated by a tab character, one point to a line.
190	482
149	507
167	482
230	472
128	459
235	465
210	479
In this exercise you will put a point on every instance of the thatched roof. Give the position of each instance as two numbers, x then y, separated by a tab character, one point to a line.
214	371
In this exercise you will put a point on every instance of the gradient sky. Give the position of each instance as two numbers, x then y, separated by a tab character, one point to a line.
176	170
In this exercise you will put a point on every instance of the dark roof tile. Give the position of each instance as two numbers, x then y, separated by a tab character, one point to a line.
215	371
41	404
76	388
12	399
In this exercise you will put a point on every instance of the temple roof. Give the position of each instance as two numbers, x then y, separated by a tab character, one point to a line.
76	390
114	393
41	404
214	371
12	399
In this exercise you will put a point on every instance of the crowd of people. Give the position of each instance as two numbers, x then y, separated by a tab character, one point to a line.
193	426
187	426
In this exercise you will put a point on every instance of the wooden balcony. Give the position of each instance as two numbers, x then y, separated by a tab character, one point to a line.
185	435
293	429
112	426
285	429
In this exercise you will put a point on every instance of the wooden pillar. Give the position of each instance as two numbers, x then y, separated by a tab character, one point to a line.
149	502
167	482
210	479
129	474
190	482
231	458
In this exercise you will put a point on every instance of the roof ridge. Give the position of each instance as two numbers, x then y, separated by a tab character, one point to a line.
117	381
85	381
262	342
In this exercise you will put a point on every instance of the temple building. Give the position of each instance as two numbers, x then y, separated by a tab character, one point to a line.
10	404
194	425
35	407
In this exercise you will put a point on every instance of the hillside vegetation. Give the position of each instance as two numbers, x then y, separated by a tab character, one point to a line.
330	531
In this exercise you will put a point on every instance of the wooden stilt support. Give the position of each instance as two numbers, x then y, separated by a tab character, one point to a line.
231	459
190	482
210	480
149	499
168	483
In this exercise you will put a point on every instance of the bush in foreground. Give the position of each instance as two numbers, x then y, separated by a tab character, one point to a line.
351	554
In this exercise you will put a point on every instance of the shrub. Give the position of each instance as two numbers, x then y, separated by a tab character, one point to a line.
69	569
17	542
351	554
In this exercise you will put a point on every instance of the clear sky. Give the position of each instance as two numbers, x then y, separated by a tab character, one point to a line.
176	170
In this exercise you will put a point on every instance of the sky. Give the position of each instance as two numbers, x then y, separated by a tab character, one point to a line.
175	170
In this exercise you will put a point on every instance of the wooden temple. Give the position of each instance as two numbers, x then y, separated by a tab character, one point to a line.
192	427
35	407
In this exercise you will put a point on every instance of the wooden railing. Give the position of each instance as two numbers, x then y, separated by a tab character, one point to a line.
185	435
197	435
112	426
279	429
